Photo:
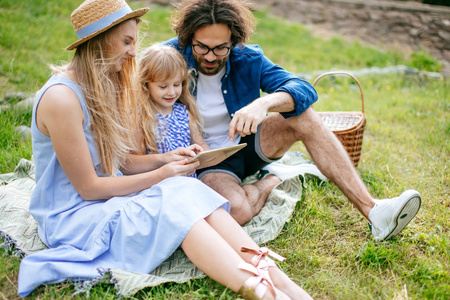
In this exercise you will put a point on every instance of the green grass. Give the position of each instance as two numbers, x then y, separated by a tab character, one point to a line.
12	148
329	249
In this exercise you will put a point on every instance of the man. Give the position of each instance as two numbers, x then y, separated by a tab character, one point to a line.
229	77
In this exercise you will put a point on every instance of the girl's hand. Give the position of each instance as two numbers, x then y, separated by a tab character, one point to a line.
196	148
183	153
138	163
178	154
179	168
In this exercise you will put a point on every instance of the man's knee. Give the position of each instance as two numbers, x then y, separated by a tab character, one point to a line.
308	121
303	126
230	188
241	211
278	135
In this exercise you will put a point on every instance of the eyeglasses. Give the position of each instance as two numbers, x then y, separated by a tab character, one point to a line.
203	50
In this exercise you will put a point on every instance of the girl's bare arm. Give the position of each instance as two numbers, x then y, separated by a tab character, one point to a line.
196	135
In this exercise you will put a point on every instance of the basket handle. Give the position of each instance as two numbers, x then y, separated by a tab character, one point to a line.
343	73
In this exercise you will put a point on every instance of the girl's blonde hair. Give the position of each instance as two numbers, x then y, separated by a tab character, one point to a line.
159	63
111	97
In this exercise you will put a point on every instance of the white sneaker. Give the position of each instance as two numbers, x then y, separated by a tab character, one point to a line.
284	171
390	216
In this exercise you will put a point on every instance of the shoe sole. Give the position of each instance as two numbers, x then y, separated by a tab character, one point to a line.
405	215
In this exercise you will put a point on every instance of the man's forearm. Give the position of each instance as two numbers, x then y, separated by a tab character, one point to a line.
278	102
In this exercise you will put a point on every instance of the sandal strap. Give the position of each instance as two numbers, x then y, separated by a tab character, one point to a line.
257	285
261	253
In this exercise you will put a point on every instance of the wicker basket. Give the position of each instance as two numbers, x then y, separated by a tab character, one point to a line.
347	126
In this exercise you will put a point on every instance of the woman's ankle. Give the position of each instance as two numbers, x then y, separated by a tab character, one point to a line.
283	283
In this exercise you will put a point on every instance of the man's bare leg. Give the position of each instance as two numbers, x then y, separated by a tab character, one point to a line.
246	200
279	134
276	137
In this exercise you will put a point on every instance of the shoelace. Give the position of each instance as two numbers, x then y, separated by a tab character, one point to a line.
261	253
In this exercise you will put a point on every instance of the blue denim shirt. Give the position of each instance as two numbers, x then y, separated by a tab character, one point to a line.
248	73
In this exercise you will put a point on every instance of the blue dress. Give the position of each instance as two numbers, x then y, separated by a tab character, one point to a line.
172	130
135	233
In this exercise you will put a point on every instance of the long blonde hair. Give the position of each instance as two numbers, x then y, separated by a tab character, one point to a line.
159	63
110	96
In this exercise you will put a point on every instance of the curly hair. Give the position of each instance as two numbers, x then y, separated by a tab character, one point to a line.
191	15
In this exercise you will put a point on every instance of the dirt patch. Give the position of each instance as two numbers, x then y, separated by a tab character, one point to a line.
406	26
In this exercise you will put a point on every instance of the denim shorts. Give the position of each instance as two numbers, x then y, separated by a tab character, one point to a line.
245	162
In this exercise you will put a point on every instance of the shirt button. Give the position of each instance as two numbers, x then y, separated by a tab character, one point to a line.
225	91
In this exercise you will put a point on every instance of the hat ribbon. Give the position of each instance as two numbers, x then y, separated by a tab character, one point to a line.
102	23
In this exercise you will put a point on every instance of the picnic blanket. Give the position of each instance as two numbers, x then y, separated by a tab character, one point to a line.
18	229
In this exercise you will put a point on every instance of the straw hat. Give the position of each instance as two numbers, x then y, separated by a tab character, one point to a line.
93	17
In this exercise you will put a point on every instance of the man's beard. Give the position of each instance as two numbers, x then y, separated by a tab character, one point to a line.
219	64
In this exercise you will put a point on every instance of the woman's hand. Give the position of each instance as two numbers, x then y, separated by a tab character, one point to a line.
178	168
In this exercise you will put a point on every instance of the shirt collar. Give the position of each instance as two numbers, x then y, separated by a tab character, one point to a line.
227	71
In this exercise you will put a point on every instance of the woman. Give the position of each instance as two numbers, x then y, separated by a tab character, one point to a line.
92	216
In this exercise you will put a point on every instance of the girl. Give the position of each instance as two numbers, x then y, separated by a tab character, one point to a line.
91	216
164	81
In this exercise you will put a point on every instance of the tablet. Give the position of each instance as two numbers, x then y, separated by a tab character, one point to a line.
213	157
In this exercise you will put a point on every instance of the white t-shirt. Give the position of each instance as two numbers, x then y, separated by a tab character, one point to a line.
212	108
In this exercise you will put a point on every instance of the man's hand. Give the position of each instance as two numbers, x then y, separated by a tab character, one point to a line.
246	120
